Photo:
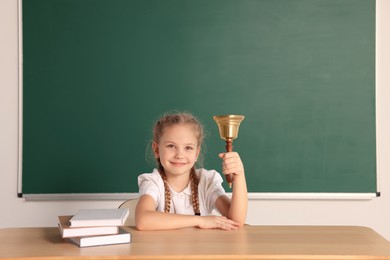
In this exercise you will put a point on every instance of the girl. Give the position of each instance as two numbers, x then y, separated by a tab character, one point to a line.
177	187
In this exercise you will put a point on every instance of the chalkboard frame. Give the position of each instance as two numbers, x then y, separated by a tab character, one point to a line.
255	195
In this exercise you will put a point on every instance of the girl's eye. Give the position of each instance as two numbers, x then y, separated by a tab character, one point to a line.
170	146
190	148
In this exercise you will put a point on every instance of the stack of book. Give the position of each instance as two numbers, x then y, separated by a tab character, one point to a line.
94	227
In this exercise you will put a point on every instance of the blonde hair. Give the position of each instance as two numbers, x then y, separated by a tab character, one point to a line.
169	120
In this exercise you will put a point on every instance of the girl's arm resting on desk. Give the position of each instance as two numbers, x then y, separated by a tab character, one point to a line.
147	218
236	208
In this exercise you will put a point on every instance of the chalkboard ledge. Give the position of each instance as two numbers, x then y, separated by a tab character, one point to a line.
79	196
312	196
251	196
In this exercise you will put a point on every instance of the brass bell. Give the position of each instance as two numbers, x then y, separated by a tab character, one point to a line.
228	126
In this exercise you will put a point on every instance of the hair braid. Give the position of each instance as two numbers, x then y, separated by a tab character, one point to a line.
194	191
167	192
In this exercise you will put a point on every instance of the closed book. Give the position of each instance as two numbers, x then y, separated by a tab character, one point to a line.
67	231
99	217
123	237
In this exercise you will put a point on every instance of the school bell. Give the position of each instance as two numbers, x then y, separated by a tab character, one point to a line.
228	126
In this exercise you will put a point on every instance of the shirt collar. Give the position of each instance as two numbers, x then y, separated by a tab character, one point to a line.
186	191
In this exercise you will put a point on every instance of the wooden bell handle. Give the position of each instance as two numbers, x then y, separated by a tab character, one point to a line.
229	148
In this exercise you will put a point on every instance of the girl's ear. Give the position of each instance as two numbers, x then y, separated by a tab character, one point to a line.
197	152
155	150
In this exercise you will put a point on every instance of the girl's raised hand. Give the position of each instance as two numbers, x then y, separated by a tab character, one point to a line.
221	222
231	163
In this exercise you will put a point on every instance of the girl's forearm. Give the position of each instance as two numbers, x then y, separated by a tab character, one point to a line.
154	220
239	201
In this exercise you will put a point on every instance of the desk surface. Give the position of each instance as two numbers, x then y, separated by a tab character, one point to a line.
249	242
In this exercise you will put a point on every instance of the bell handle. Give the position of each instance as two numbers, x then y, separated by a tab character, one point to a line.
229	148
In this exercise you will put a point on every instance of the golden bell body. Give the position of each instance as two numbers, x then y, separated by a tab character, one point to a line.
228	125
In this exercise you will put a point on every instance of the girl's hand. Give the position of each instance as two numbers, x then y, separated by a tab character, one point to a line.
231	163
208	222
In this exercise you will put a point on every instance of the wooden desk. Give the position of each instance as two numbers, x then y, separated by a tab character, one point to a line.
249	242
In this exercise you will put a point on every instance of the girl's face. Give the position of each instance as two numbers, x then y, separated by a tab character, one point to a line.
178	149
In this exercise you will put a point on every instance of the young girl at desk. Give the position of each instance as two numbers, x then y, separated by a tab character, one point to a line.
177	187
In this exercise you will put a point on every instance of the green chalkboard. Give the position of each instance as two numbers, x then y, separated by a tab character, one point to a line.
98	73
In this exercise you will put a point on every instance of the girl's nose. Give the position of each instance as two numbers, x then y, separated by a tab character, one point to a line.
179	154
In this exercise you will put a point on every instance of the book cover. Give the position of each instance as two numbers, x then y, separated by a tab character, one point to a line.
67	231
99	217
123	237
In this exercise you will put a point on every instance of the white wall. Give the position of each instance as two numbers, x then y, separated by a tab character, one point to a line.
16	212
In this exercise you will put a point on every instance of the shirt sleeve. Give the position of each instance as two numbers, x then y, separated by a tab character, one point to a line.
149	183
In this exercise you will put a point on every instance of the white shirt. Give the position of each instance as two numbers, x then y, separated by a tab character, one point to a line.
209	189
